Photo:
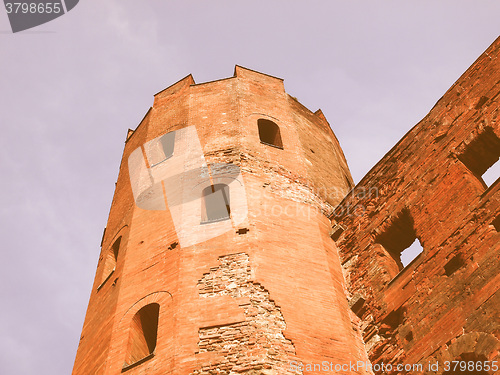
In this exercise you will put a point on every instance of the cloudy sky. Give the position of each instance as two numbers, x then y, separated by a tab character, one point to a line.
70	89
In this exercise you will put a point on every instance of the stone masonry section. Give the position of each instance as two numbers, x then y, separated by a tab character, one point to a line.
260	336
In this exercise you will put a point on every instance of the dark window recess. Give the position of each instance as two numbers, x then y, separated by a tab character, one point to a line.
463	368
481	157
142	335
110	260
400	240
336	232
269	133
391	322
454	264
496	223
358	307
215	203
409	337
166	143
481	102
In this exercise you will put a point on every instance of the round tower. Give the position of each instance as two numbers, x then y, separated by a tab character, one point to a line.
217	256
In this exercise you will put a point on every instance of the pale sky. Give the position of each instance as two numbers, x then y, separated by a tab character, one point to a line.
71	88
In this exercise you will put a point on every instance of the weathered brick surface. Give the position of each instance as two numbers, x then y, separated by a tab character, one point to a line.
444	304
290	275
273	289
259	338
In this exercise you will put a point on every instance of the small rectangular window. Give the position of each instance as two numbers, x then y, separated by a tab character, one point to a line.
392	322
215	203
336	231
481	157
358	306
400	240
454	264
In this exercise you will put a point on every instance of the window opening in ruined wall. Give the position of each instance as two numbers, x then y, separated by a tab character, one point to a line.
400	241
269	133
215	203
454	264
481	157
142	335
111	257
411	252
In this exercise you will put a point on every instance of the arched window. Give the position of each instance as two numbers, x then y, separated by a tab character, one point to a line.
215	203
160	149
111	257
143	334
269	133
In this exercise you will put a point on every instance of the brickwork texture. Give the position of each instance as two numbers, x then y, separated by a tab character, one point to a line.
316	269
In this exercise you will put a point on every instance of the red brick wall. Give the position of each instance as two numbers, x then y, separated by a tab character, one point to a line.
437	308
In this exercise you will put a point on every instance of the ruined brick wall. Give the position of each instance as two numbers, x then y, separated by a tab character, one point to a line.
266	292
443	305
258	342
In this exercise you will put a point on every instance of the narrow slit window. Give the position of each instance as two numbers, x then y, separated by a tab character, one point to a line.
215	203
143	334
400	240
269	133
481	157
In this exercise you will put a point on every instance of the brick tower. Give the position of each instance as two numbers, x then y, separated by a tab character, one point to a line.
217	256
